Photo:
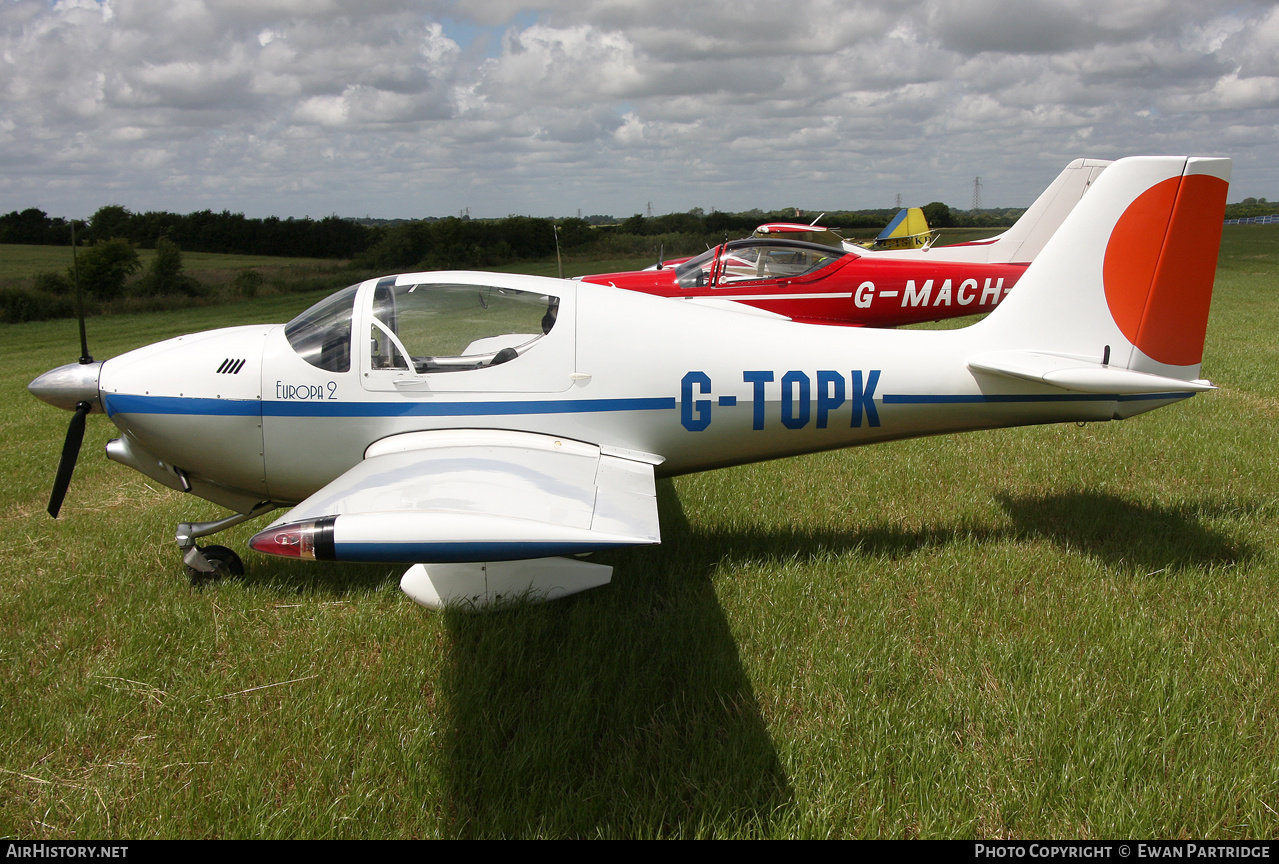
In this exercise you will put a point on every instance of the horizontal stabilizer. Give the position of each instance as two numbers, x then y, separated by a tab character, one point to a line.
1079	374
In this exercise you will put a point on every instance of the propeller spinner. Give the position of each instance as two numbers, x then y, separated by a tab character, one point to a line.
75	388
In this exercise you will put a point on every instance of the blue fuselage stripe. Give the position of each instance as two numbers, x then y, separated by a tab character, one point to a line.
174	405
122	404
943	399
117	403
463	409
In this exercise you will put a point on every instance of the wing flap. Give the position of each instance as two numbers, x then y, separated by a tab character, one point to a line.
625	500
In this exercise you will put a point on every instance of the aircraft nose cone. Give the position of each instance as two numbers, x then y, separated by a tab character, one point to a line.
69	385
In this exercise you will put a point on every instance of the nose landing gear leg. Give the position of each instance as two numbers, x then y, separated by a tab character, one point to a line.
207	563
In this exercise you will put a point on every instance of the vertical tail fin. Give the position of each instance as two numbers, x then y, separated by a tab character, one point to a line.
1020	243
907	230
1028	236
1125	282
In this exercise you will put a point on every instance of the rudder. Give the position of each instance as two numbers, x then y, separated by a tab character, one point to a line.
1159	288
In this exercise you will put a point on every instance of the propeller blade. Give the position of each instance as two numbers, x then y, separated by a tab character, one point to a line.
70	452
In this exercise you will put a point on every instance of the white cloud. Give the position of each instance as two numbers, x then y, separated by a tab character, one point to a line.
1232	93
315	106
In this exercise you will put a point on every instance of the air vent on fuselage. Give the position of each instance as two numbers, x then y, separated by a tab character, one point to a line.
231	366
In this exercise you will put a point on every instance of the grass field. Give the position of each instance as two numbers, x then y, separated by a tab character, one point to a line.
1049	632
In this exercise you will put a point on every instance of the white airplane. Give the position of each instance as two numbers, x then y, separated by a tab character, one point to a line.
479	426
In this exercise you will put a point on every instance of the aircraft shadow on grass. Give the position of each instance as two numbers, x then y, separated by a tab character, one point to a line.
617	715
612	713
629	710
1115	531
1121	533
678	741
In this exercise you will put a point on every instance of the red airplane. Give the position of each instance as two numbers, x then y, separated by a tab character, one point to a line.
852	286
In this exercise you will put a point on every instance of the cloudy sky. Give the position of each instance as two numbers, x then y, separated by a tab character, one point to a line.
409	108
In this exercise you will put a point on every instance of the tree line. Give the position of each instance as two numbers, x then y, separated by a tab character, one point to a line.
113	277
476	243
448	242
111	269
202	231
462	241
1251	207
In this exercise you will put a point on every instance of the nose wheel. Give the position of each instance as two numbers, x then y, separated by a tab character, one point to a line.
210	563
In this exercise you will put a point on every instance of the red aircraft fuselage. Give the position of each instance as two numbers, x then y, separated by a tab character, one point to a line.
819	284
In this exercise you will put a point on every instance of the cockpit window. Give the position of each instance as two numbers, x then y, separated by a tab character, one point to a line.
449	328
696	271
322	334
749	260
771	262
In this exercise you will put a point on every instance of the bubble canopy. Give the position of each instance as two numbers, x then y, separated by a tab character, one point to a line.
424	327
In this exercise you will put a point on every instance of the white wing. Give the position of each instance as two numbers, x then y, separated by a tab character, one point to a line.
474	496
